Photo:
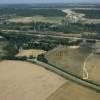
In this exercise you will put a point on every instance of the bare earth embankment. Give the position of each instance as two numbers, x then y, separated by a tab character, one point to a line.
26	81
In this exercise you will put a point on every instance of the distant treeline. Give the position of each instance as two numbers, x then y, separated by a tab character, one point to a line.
51	5
32	12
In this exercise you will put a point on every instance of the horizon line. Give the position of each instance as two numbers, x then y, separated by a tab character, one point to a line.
54	3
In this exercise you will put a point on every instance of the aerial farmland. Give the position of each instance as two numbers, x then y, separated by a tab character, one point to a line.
50	51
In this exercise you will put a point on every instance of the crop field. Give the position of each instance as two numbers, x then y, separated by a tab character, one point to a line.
70	59
30	52
93	67
26	81
72	91
75	59
54	20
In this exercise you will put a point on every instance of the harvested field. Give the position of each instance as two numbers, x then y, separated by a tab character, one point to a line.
21	19
37	19
76	60
26	81
69	58
93	67
72	91
33	52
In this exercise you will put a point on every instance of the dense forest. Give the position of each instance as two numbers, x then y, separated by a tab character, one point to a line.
32	12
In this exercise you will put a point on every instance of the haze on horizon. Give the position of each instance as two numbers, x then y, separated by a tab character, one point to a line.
46	1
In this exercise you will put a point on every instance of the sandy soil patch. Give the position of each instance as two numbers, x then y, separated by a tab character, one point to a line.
33	52
26	81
